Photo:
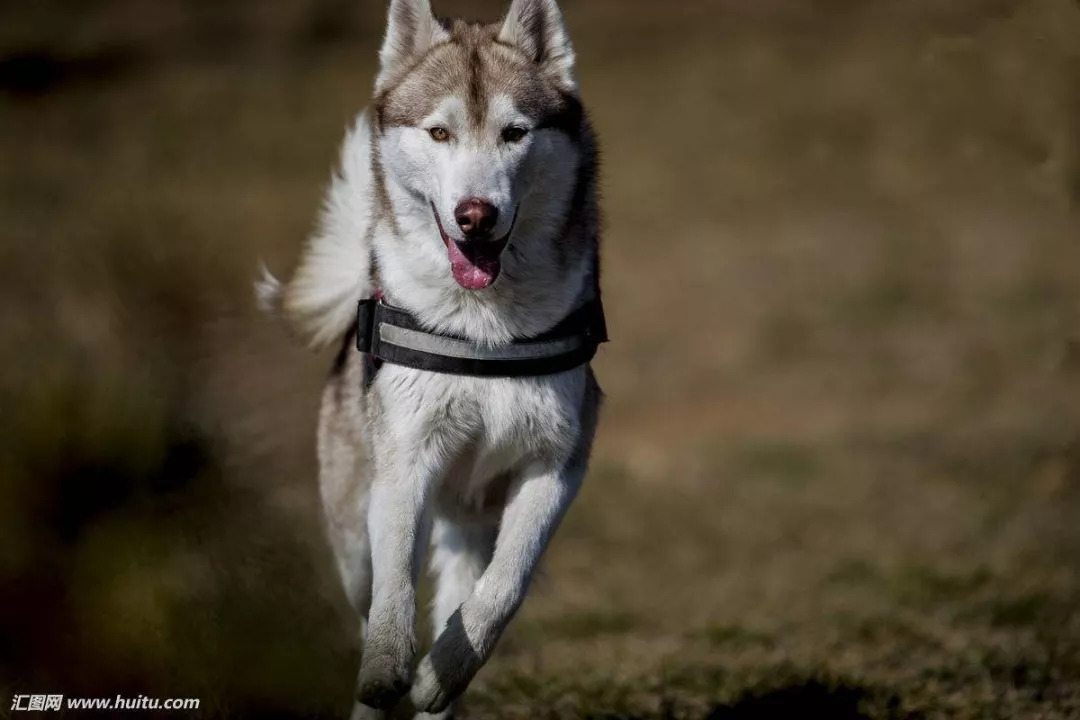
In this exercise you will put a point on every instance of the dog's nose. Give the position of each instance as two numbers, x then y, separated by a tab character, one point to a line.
476	218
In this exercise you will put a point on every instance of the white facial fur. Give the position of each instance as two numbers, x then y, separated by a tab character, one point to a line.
380	209
475	162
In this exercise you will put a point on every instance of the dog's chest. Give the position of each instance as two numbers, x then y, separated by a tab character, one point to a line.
492	428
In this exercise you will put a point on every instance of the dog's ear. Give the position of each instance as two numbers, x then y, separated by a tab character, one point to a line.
411	30
536	28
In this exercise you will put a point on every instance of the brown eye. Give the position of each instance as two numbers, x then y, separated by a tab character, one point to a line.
439	134
514	134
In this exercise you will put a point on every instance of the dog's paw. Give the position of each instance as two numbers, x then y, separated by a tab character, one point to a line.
429	693
384	679
447	714
447	670
363	712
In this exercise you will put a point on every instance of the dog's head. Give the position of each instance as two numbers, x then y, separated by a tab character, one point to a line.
480	125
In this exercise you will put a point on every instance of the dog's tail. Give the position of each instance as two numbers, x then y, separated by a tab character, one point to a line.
269	293
320	300
334	273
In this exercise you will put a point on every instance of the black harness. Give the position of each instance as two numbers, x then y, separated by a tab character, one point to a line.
388	334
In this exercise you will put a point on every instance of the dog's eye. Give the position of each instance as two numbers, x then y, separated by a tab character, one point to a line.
439	134
514	134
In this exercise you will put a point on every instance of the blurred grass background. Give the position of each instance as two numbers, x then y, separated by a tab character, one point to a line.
843	479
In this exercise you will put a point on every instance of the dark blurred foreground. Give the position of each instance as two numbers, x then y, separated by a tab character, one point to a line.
844	480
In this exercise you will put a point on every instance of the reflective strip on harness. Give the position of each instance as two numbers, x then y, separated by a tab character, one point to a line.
450	347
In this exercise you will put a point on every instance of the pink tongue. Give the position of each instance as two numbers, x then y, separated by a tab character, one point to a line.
474	274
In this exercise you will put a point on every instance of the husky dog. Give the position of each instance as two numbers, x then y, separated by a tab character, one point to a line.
466	196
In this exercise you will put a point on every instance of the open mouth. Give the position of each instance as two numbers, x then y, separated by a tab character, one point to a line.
475	264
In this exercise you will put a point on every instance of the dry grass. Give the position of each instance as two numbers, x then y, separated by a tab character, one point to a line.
843	478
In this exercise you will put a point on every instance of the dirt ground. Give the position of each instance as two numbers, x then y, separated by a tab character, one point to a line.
838	471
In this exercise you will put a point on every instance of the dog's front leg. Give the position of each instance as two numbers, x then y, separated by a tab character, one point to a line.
537	503
397	526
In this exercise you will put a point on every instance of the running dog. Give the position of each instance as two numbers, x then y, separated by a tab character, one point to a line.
457	266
